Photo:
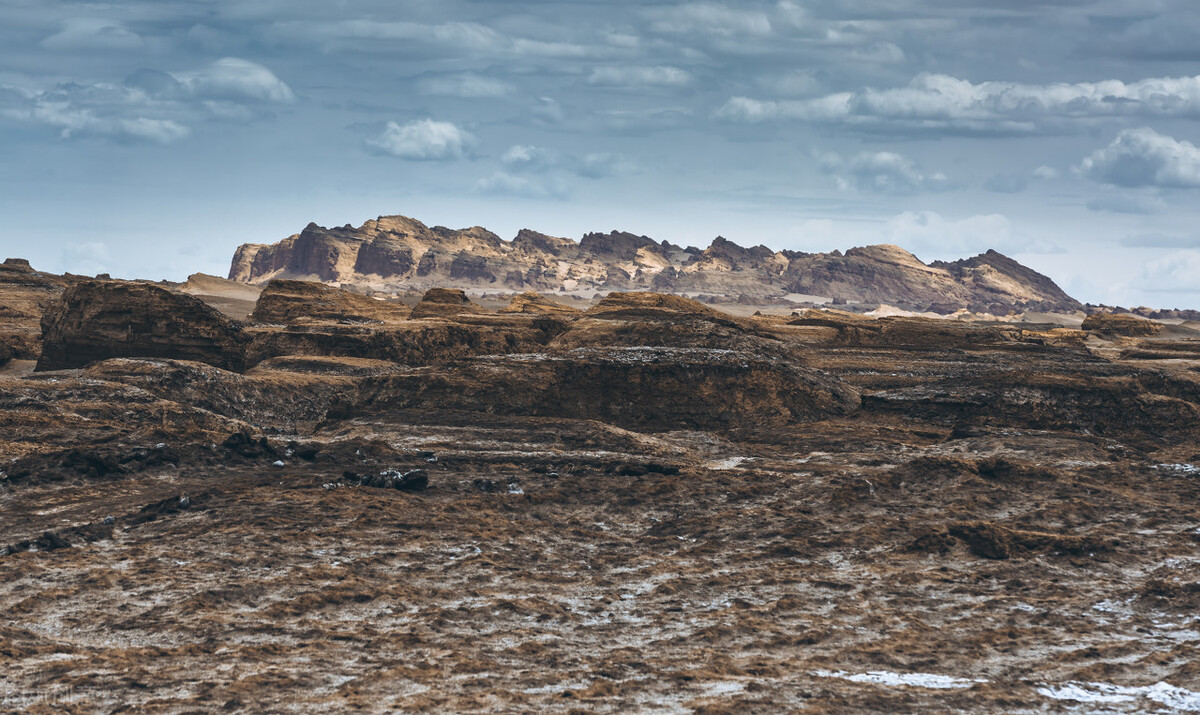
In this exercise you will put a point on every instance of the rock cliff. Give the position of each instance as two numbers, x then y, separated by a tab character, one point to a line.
400	253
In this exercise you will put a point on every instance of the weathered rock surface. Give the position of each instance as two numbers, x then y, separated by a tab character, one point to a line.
288	302
445	302
25	295
676	508
397	252
538	304
97	320
648	388
1120	324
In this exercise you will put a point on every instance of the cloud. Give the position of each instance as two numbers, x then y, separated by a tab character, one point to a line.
150	105
639	77
882	172
1128	204
423	140
505	184
1143	157
98	110
524	158
707	19
1173	273
1161	240
1006	184
236	79
93	34
936	102
1045	173
548	111
467	85
928	233
884	53
369	35
88	258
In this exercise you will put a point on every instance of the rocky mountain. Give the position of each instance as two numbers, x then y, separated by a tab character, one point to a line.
398	253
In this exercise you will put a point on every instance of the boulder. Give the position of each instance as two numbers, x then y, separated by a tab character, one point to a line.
97	320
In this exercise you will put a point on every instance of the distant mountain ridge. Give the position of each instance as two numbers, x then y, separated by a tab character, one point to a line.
401	253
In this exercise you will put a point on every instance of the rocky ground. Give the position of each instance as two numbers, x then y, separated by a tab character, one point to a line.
649	506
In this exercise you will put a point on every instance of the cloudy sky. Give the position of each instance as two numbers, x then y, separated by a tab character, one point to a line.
149	139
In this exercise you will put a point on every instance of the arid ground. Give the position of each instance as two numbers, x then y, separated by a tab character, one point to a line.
649	506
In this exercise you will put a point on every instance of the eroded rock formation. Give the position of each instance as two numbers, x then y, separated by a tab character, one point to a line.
97	320
400	253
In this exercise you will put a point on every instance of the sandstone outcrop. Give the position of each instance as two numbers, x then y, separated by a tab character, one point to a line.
25	295
1121	324
445	302
287	302
538	304
97	320
396	252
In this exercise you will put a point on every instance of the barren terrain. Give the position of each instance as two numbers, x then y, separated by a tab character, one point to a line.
648	506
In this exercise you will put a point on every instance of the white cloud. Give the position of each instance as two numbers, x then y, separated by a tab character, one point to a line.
467	85
708	19
884	53
931	235
1161	240
150	105
87	258
372	34
639	77
237	79
93	34
1173	273
423	140
1045	173
941	102
524	158
882	172
1006	183
1143	157
505	184
1141	204
928	234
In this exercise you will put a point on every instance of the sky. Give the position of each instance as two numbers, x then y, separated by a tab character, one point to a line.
150	139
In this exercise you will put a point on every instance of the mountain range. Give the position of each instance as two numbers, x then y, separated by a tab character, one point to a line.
401	254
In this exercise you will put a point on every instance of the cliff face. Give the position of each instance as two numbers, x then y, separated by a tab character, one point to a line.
396	252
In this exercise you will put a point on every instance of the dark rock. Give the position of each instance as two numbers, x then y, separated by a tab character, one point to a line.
97	320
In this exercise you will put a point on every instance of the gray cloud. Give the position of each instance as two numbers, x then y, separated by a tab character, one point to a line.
423	140
935	102
151	105
1143	157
